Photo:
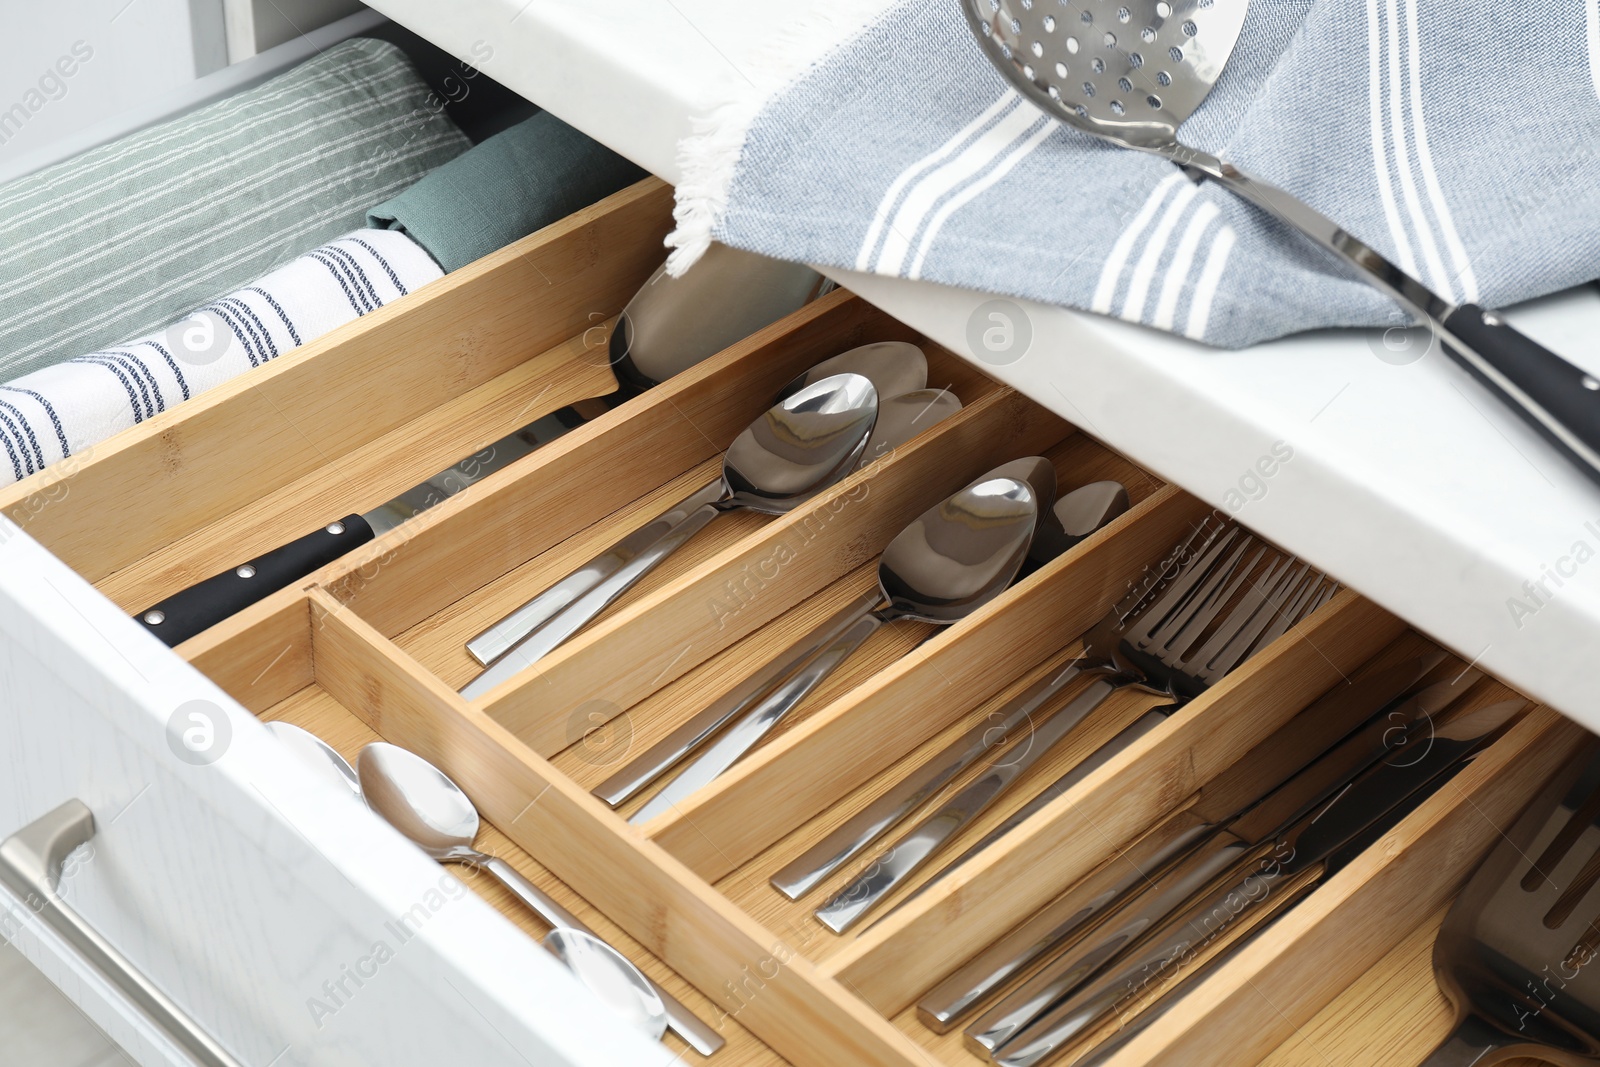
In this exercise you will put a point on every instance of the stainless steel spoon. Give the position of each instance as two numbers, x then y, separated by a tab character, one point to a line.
1132	71
801	446
666	753
421	801
1075	516
956	557
318	755
610	975
895	369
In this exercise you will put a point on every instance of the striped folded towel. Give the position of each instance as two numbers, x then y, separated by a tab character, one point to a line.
128	236
64	409
893	147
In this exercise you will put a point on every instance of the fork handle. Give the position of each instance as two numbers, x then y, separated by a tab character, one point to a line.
759	721
664	754
1475	1042
907	855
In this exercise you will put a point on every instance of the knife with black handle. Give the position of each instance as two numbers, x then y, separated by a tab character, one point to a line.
1377	698
204	604
1166	941
669	325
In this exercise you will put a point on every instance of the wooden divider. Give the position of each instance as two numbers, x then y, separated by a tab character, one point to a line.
897	959
371	474
259	656
1283	979
258	432
469	540
759	979
675	629
811	767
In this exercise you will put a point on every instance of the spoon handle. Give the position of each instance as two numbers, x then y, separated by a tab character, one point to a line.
759	720
640	772
555	633
504	635
699	1036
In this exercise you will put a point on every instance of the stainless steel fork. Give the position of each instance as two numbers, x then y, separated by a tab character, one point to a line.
1164	637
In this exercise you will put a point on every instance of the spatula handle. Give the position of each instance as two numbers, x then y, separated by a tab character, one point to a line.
1473	1043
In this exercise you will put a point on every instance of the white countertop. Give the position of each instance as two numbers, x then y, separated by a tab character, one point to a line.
1408	482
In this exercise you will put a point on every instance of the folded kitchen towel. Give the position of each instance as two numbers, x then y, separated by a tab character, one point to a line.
130	235
62	410
512	184
1463	148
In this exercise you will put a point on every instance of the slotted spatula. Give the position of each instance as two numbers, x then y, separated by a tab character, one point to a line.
1132	71
1517	953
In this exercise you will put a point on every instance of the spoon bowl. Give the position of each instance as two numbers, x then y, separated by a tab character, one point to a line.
960	554
893	368
902	417
802	445
419	800
610	975
1076	516
318	755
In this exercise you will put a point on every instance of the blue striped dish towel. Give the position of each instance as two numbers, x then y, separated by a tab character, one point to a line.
65	409
1461	147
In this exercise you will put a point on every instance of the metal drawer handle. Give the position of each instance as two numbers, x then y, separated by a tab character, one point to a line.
30	864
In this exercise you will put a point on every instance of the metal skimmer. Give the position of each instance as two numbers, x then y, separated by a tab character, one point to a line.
1132	71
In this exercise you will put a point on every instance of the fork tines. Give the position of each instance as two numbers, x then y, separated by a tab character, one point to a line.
1231	597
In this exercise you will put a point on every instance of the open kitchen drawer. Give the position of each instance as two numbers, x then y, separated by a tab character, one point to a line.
373	645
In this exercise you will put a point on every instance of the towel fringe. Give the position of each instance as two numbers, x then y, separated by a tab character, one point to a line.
710	154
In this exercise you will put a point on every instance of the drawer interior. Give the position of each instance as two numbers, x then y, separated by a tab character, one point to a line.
373	645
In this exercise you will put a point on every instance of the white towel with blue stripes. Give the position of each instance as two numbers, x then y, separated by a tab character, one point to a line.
1458	139
67	408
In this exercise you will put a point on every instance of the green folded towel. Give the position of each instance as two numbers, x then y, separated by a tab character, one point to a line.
131	235
505	188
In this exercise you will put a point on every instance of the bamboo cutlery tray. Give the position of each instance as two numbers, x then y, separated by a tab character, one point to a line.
374	645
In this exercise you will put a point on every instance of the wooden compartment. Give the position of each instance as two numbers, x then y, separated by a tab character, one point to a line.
373	645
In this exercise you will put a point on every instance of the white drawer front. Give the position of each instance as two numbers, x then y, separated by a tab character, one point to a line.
282	915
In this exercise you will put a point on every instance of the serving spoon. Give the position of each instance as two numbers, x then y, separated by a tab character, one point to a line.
953	559
895	368
799	447
425	805
1132	71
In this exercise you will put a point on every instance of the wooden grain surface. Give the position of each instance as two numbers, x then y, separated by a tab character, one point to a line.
1393	1015
370	474
757	978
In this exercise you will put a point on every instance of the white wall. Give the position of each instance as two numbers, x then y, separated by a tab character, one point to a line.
135	49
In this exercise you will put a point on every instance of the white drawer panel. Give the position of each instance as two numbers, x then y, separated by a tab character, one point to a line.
265	902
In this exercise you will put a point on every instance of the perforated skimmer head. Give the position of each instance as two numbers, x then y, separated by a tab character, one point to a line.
1130	71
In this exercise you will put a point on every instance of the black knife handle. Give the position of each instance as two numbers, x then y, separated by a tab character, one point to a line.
204	604
1559	400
